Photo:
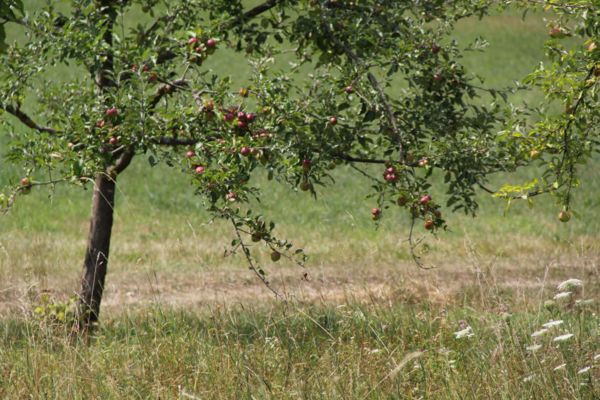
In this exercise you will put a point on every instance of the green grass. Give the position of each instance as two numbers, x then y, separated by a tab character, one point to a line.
351	351
182	321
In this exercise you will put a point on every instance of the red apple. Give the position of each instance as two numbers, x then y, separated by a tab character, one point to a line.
231	196
390	177
112	112
333	120
242	124
113	140
228	117
250	117
555	32
190	154
435	48
100	124
306	164
199	169
145	68
429	224
376	213
241	116
211	43
349	89
245	151
25	182
423	162
425	200
192	40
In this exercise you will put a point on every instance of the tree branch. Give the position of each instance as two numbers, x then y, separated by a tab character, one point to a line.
252	13
167	88
124	160
348	158
26	120
259	9
389	112
173	141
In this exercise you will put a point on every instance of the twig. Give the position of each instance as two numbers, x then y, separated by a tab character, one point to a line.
246	252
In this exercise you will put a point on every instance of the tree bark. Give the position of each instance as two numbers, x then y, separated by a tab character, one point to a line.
98	246
103	200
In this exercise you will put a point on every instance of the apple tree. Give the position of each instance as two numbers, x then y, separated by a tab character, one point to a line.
386	87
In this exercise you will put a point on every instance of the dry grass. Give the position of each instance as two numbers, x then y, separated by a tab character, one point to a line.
191	271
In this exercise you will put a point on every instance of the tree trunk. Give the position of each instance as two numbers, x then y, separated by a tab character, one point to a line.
98	245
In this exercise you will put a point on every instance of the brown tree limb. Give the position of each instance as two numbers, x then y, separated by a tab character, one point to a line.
252	13
389	112
259	9
26	119
173	141
167	88
124	160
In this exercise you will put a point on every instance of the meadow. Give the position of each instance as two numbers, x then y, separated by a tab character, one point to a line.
181	320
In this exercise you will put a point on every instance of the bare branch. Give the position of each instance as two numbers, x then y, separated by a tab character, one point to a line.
26	120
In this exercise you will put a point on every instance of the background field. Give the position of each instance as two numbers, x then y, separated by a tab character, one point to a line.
181	320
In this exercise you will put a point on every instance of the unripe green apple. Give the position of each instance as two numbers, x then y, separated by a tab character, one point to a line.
275	256
564	216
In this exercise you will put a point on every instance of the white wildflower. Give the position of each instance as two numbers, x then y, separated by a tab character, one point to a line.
467	332
570	284
529	378
553	323
562	295
562	338
539	333
584	302
584	370
561	366
533	347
